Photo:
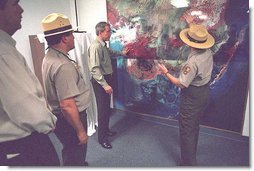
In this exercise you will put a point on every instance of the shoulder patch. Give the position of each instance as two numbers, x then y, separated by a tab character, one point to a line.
186	69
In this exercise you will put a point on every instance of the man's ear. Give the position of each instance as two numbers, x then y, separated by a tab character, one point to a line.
100	33
64	39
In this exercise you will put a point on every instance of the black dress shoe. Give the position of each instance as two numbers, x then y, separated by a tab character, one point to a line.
111	133
106	145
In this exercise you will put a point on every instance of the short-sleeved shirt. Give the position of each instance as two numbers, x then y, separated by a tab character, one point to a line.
197	70
63	80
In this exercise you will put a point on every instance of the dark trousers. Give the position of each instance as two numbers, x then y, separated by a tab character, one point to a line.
34	150
103	108
193	101
72	153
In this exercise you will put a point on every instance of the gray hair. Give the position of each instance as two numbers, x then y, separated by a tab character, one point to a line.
101	27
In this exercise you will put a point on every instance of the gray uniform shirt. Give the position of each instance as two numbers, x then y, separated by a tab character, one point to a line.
23	107
197	70
63	80
99	61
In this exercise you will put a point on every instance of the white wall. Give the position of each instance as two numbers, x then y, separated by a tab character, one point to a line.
34	12
90	13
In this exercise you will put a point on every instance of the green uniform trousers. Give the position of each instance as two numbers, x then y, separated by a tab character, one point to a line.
193	101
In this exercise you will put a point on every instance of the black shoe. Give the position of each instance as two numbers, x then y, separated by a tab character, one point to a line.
85	164
106	145
111	133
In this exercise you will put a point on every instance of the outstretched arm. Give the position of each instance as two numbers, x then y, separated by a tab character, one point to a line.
173	79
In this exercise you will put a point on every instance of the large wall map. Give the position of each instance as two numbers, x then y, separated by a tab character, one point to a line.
150	29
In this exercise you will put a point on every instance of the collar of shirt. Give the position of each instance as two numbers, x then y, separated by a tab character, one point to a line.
195	53
66	55
102	42
7	38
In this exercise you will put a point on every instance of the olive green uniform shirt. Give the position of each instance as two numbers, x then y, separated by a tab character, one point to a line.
62	80
197	70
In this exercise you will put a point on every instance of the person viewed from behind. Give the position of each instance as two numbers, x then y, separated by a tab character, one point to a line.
66	92
194	81
100	66
25	119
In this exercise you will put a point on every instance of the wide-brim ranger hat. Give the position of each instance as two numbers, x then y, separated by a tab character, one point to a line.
56	23
197	36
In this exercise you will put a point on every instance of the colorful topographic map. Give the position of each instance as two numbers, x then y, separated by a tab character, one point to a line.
150	30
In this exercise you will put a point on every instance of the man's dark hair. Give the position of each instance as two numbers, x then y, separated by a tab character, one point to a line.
55	39
101	27
2	4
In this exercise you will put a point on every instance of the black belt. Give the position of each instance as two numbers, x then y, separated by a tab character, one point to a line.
201	85
106	77
9	147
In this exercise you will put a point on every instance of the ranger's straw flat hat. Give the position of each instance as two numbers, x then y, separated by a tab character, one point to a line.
197	36
56	23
